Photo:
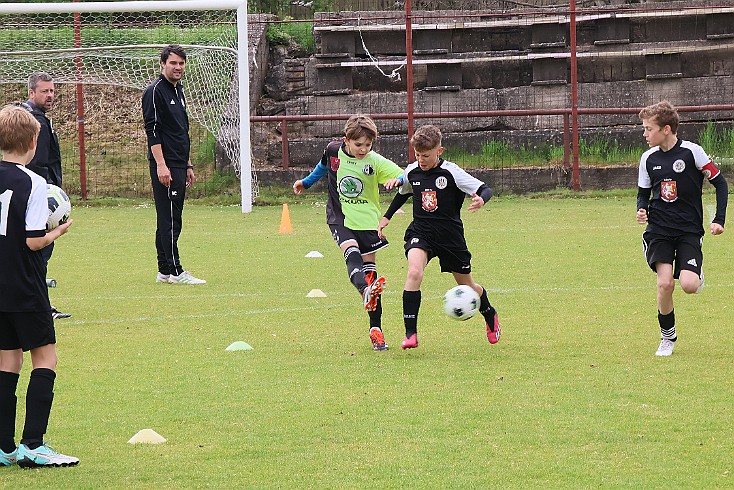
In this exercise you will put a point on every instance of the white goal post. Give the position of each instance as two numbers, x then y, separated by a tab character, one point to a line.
119	45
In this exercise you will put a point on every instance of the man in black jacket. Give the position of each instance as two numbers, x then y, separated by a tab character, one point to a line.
47	161
171	172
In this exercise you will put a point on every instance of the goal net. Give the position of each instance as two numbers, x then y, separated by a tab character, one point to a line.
106	53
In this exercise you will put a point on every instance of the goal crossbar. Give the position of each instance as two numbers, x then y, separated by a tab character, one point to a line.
131	6
114	48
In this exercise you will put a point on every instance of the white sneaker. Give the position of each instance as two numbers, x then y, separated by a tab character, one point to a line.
665	348
162	277
43	456
185	278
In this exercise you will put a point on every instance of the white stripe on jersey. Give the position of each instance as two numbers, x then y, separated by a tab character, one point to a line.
465	182
37	209
699	155
643	178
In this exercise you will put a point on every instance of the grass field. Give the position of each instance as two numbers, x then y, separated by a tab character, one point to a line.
571	397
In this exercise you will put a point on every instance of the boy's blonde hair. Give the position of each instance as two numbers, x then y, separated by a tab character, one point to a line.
426	138
663	114
18	129
360	125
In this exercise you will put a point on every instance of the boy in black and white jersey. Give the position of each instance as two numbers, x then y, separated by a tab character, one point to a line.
438	188
673	171
26	323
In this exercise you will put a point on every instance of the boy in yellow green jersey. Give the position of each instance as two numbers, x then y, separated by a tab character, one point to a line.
355	173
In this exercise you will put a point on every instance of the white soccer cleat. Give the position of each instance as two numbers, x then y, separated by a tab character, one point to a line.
185	278
43	455
665	348
162	277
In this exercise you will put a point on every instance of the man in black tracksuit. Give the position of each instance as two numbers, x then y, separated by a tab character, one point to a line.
171	172
47	160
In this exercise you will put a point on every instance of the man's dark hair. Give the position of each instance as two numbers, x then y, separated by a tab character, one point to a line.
39	76
172	48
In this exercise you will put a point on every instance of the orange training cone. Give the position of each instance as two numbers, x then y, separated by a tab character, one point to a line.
285	220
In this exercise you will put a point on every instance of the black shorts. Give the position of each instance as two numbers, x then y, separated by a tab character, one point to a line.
455	258
26	330
684	252
368	241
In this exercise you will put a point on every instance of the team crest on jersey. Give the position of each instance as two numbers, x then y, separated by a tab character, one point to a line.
429	201
668	190
368	169
679	166
350	186
442	182
334	164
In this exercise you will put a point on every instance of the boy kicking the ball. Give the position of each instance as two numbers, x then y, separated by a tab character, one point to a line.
673	171
25	312
353	209
438	188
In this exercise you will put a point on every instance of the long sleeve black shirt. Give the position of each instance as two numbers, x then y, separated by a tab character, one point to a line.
166	122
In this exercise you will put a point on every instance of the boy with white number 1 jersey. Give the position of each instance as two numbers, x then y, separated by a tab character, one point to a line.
26	323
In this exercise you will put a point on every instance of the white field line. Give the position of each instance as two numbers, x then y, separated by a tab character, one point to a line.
318	306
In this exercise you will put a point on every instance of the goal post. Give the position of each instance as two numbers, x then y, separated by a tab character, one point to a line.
118	43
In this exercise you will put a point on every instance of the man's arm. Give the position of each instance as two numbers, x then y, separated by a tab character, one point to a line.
150	119
164	173
39	163
150	116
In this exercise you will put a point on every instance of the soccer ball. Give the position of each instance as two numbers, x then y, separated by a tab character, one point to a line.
59	207
461	302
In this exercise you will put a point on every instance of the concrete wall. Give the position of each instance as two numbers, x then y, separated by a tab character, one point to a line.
510	181
697	72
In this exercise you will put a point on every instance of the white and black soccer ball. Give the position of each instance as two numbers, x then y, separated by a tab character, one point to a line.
461	302
59	206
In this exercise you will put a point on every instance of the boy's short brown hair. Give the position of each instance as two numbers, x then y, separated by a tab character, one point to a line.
663	114
360	125
18	129
426	137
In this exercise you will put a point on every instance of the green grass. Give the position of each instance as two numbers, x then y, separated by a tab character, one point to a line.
299	33
572	396
499	154
719	143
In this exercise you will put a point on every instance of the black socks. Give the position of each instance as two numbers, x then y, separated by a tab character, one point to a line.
411	305
39	398
8	402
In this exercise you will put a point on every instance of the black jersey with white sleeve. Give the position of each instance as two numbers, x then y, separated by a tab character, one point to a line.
438	195
23	214
675	178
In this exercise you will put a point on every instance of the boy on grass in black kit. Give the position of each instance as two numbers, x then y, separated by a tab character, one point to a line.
26	323
673	171
438	188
